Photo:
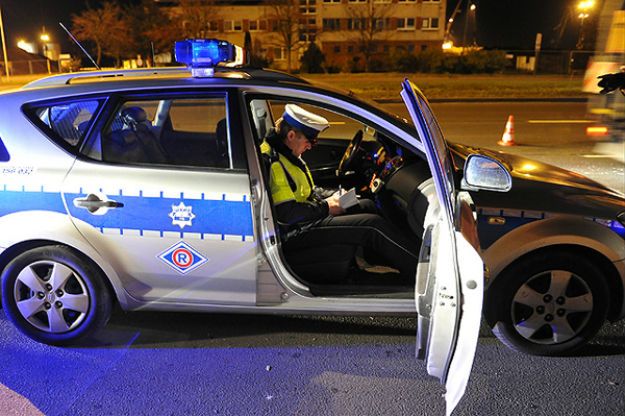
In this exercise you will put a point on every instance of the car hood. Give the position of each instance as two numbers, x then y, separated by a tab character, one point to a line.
544	187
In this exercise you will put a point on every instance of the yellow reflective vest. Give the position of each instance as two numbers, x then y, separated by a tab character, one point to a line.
288	181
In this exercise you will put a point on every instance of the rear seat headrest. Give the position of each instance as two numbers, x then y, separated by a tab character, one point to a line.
134	116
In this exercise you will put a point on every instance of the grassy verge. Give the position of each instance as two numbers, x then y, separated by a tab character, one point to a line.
17	81
387	85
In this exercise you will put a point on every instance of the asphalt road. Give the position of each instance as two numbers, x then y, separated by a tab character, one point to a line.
175	364
181	364
554	133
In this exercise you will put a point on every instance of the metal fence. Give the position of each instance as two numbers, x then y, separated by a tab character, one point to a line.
30	67
549	62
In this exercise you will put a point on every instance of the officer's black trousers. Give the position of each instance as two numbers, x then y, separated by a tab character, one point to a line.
368	230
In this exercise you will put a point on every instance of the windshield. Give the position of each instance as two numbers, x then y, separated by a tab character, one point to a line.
368	102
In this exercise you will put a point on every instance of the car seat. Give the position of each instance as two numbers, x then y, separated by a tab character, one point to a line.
327	263
135	142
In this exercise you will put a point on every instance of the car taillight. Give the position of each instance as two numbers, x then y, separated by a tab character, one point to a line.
597	131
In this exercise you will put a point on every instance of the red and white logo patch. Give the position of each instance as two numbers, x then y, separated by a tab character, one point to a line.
182	257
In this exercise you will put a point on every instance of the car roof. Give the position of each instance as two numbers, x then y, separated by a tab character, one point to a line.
110	81
169	73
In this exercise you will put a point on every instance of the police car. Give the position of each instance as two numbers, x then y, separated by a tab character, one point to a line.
147	189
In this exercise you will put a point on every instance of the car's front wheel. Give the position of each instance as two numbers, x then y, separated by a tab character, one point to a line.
548	304
54	295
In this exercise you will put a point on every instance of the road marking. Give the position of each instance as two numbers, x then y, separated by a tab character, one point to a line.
14	404
597	156
560	121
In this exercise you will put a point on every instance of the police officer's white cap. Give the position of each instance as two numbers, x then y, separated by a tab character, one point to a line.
308	123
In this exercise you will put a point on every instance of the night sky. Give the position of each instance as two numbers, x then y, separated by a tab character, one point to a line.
506	24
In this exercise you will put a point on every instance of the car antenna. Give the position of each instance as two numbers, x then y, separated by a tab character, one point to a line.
79	45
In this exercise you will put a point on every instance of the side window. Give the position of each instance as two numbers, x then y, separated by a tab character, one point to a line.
342	127
66	122
168	131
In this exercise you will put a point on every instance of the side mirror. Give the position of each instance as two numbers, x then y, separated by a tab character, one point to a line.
485	173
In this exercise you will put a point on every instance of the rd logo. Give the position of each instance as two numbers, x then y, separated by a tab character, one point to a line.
182	257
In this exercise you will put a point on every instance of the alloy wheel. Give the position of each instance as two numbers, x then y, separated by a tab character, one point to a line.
51	296
552	307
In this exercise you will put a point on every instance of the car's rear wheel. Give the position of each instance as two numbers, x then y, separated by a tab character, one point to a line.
54	295
548	304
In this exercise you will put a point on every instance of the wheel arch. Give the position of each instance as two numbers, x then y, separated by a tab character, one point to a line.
13	251
564	232
611	274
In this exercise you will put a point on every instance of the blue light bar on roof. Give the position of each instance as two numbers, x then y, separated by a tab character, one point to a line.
202	55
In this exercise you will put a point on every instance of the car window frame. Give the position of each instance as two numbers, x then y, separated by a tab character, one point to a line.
29	111
250	95
238	162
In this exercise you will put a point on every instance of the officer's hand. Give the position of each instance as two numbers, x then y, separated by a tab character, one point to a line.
334	206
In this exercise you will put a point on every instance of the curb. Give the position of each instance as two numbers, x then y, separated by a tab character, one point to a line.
491	100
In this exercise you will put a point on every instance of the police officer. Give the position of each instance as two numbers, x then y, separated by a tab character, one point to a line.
309	220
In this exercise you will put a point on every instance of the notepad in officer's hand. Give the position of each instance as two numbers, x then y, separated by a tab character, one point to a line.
348	199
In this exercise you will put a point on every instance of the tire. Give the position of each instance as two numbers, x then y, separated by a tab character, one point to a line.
54	295
547	304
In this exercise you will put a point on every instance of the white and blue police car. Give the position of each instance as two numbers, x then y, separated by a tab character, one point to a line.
147	189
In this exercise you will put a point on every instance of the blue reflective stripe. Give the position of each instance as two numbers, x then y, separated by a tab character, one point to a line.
152	213
489	233
15	201
141	213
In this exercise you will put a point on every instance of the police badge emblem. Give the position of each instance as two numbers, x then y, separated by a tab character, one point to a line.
181	215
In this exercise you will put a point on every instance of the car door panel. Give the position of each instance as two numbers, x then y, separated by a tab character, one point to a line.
174	232
449	300
208	213
471	282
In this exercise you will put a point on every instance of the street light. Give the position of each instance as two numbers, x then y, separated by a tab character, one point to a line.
583	7
470	10
446	39
45	38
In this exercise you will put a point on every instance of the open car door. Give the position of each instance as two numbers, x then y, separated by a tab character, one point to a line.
449	284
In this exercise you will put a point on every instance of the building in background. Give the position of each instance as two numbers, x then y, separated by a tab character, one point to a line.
22	62
352	34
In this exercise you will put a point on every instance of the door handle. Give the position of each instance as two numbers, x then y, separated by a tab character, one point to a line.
92	203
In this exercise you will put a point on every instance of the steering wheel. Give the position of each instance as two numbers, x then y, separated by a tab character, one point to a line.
347	161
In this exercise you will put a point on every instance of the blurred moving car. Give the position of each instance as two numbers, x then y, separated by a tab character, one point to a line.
607	110
147	189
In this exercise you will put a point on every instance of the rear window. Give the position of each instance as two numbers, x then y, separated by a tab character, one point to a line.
67	122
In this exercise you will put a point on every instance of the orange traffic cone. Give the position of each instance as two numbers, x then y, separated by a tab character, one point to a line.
507	139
